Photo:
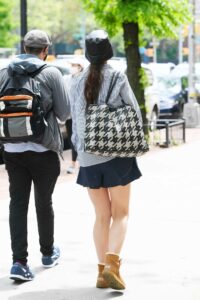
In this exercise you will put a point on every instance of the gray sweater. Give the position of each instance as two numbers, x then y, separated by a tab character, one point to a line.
121	90
55	99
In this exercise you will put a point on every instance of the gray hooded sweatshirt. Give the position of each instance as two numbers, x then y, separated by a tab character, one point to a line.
55	101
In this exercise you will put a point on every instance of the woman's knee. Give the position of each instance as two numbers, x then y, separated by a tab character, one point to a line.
120	213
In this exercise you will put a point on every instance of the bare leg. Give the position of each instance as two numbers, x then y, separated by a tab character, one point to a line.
119	196
101	201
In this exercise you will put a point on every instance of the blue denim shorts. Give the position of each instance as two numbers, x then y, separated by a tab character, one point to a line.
118	171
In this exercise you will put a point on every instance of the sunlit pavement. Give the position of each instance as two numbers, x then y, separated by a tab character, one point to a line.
161	255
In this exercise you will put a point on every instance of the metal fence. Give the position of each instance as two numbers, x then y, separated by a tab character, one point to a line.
168	132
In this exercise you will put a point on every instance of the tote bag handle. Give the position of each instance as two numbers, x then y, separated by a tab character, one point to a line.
111	86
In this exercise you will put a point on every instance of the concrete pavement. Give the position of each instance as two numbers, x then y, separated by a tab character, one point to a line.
161	255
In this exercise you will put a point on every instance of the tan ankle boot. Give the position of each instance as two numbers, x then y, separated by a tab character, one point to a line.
101	283
111	272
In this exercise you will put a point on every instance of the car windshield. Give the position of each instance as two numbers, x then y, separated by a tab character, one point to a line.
170	84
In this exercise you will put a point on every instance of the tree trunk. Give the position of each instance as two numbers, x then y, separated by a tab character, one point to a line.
131	43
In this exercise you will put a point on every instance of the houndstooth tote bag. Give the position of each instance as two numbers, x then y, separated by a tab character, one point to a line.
114	132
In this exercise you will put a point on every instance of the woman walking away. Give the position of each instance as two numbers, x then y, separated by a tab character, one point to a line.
77	66
106	178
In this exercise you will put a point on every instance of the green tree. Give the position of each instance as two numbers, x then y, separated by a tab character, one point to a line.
7	38
167	51
64	20
160	17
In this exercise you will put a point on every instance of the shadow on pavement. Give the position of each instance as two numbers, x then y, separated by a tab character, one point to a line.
76	294
7	284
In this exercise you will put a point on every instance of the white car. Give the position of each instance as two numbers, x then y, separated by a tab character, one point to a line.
151	97
182	71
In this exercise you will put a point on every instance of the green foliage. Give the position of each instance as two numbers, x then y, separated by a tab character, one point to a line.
160	17
62	19
7	38
143	78
57	18
118	44
167	51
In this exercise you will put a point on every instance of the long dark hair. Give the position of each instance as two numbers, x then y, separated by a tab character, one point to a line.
93	83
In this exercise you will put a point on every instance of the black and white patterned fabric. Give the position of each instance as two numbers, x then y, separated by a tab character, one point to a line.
121	90
115	132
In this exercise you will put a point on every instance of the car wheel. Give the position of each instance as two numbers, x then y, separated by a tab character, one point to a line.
181	111
153	120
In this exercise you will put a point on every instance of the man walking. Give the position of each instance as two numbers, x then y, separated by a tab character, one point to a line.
35	162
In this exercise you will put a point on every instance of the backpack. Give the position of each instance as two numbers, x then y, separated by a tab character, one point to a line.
22	116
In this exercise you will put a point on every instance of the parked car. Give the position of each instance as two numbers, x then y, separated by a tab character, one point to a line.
172	96
182	71
151	97
161	69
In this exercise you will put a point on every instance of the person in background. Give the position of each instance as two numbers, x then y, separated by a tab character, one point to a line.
77	66
108	180
30	163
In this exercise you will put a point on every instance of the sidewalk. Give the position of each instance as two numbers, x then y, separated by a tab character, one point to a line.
161	255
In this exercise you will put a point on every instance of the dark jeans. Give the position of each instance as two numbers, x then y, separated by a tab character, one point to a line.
43	170
69	135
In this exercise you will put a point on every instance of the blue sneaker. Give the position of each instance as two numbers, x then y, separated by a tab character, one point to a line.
51	260
20	272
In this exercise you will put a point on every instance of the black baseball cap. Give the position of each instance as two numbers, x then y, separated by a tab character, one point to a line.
98	47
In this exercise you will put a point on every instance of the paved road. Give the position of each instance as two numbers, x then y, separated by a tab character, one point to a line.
161	255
